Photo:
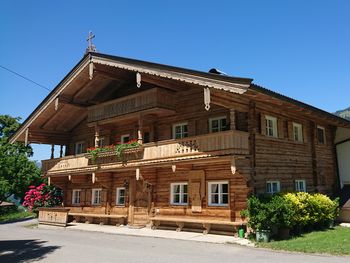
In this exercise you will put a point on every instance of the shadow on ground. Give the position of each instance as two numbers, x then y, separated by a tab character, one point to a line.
24	250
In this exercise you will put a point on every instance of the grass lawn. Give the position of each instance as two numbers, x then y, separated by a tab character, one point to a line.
331	241
13	216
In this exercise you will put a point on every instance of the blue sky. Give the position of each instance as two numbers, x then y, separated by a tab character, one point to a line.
298	48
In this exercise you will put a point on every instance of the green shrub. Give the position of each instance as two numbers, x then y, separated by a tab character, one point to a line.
258	213
288	210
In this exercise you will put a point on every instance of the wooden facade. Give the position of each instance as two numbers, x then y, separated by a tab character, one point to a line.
207	142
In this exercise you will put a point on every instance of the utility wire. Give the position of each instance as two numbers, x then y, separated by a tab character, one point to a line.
23	77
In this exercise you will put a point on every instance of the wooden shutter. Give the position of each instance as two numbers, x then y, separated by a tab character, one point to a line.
104	197
69	197
263	123
305	132
280	128
290	131
195	195
82	197
88	197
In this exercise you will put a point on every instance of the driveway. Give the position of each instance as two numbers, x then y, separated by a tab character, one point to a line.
24	244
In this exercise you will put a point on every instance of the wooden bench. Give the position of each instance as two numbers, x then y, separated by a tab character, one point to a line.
180	222
121	219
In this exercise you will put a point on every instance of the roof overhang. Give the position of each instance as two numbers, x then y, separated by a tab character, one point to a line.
83	72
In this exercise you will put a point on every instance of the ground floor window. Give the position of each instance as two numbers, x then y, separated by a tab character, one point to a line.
76	196
179	194
273	187
96	196
218	193
300	185
120	196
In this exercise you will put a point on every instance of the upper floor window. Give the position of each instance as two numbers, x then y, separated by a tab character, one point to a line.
218	193
273	187
180	130
96	196
271	126
179	193
76	196
217	124
102	142
321	135
79	147
300	185
125	138
120	196
298	132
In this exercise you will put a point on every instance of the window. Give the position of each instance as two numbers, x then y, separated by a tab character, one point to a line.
120	197
298	132
300	185
321	135
76	196
96	196
101	142
218	193
180	130
179	194
146	137
273	187
125	138
79	147
271	126
217	124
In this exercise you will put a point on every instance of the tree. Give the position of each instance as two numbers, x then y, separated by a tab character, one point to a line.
17	172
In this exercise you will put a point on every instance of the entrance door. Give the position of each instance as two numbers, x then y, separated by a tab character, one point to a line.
141	203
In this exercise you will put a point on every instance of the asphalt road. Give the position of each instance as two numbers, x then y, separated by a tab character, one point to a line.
23	244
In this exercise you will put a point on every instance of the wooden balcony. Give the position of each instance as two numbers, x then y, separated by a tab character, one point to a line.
151	99
214	144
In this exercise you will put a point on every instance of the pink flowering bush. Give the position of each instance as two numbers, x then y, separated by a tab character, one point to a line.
42	196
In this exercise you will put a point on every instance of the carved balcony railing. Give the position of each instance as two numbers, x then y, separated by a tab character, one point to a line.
213	144
149	99
232	142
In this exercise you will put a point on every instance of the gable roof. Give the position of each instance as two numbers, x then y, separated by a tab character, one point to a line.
202	79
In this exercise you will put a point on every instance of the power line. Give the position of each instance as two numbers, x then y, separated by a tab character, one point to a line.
23	77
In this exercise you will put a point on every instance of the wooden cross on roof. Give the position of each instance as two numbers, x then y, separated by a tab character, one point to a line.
91	47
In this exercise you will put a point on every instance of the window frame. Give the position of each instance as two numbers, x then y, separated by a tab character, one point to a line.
297	185
181	124
181	194
300	135
220	127
123	136
220	194
272	182
274	127
93	196
82	143
74	195
323	134
117	196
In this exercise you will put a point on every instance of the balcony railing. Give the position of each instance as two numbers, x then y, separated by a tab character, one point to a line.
221	143
153	98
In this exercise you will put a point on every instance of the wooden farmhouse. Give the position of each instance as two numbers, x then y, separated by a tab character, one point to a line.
144	143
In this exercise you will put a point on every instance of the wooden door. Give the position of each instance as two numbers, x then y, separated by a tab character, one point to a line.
196	189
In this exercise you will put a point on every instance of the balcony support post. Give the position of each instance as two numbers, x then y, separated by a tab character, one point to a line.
232	119
139	130
52	151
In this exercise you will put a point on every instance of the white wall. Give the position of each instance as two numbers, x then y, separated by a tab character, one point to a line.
343	152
